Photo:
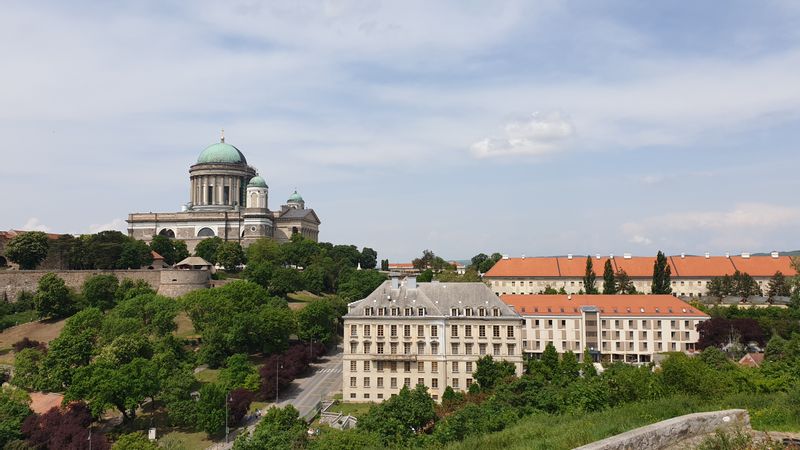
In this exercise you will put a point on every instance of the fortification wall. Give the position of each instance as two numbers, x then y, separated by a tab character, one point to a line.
166	282
672	431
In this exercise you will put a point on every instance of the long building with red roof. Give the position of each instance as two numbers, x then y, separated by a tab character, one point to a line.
690	275
630	328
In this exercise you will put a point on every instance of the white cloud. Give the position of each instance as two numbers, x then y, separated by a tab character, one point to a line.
33	224
639	239
539	134
114	225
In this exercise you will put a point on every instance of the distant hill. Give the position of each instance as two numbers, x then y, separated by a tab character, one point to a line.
791	253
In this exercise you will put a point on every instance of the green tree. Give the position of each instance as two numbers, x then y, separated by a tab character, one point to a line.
28	249
284	281
587	365
230	255
385	265
744	285
661	275
181	250
163	246
279	429
489	372
720	287
317	322
133	254
589	277
13	411
426	276
623	283
72	349
369	258
239	372
609	284
398	419
53	298
132	288
569	367
207	248
550	360
100	291
134	441
357	284
778	286
28	369
332	439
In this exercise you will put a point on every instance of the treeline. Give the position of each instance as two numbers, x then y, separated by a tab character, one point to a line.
741	284
554	385
735	329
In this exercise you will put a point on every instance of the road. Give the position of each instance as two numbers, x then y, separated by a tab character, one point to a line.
304	393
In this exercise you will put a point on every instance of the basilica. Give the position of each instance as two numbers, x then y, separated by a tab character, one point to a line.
227	198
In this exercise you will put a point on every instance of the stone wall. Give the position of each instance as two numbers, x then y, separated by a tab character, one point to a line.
669	432
170	282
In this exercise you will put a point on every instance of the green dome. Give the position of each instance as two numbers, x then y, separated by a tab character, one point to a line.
295	198
257	181
221	153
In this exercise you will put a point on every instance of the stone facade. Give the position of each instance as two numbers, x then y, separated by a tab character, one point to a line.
229	200
405	334
169	282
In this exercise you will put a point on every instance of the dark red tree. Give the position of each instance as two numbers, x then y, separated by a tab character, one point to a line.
718	332
239	404
63	429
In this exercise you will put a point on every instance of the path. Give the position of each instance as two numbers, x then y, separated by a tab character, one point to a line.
304	393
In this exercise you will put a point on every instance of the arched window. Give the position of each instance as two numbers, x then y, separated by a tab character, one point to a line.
167	232
205	232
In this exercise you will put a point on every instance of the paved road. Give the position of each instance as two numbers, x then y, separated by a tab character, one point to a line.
304	393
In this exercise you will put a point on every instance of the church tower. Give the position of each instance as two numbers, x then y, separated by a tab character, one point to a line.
257	218
257	193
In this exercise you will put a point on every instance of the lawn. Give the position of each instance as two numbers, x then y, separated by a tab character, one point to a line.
302	296
185	440
43	331
207	375
185	328
353	409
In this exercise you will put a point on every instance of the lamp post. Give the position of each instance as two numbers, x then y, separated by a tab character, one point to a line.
278	366
227	400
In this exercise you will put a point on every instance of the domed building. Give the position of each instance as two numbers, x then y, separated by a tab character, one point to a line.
227	198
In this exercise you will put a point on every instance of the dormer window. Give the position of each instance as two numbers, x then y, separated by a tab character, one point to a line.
496	312
395	311
468	312
409	311
368	311
381	311
420	311
453	311
481	312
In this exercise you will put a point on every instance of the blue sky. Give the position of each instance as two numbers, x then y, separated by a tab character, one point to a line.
532	128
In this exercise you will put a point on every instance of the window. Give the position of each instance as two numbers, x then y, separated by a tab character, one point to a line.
409	311
511	349
420	348
380	348
393	383
453	311
481	312
406	366
393	347
393	331
407	348
510	331
380	331
434	348
407	331
496	349
366	366
421	366
468	367
468	312
366	382
368	311
205	232
380	395
353	366
468	349
421	381
454	349
455	383
380	365
381	311
454	330
496	331
366	330
420	330
563	323
353	331
434	331
468	330
496	312
353	347
482	331
435	383
455	367
352	382
352	395
367	347
392	366
407	382
366	395
481	349
420	311
434	367
469	382
380	382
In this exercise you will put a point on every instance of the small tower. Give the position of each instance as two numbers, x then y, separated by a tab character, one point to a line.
296	201
257	193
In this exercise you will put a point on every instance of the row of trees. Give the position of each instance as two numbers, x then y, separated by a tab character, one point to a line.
741	284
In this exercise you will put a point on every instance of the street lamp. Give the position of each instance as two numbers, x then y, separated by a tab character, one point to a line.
277	367
227	429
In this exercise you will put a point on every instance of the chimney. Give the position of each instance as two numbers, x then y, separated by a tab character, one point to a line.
505	256
597	256
727	254
683	255
708	255
626	256
523	256
611	256
395	280
569	255
569	297
411	282
775	254
745	255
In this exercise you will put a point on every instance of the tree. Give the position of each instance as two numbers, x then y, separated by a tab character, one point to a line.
239	372
399	418
623	283
28	249
357	284
778	286
609	284
284	280
661	275
280	428
129	289
425	276
720	287
719	331
163	246
570	369
369	258
134	441
589	277
744	285
53	298
133	255
489	372
104	384
587	365
317	322
181	250
13	411
28	369
100	290
550	361
230	255
63	429
207	248
385	265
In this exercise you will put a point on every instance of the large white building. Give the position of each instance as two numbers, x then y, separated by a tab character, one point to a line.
407	333
690	275
629	328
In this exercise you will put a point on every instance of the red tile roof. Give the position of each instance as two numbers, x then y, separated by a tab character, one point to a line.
642	266
609	305
401	265
156	255
752	359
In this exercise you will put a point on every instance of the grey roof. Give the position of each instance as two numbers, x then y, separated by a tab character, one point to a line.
194	261
437	298
294	213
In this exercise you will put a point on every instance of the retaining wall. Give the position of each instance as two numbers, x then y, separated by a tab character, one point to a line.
669	432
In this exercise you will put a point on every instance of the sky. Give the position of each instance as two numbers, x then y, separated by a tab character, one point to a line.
520	127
